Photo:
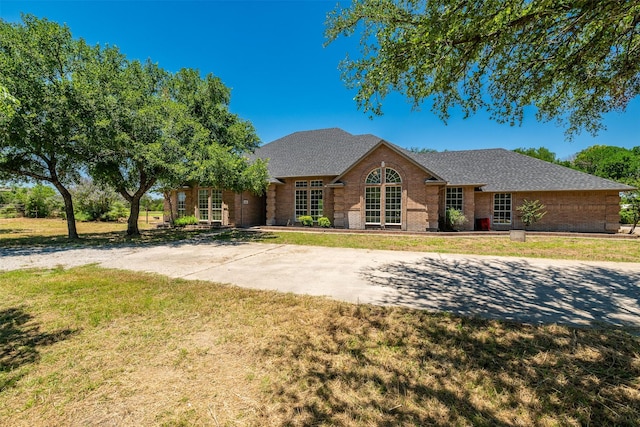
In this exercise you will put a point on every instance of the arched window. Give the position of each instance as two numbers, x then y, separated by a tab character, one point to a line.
383	187
374	177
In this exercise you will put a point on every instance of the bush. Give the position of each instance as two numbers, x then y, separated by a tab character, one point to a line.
455	218
42	202
324	222
82	217
626	216
9	211
185	220
97	202
306	220
531	211
117	210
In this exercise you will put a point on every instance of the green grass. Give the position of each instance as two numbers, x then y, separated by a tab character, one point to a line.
89	346
560	247
42	232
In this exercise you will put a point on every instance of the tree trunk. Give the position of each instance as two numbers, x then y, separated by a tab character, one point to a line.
167	197
132	222
68	209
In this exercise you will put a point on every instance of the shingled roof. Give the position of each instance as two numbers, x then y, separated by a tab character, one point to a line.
324	152
504	170
330	152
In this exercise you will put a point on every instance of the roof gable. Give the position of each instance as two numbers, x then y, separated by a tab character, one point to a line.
325	152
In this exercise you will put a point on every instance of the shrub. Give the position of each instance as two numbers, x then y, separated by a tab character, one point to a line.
42	201
455	218
9	211
324	222
306	220
98	202
185	220
83	217
531	211
117	210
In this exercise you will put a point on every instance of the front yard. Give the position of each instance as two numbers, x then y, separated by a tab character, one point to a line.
89	346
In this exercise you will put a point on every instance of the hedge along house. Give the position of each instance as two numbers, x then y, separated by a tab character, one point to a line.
362	181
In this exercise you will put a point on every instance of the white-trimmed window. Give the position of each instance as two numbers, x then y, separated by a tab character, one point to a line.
454	198
182	204
502	208
216	205
383	187
372	205
203	205
309	199
393	205
209	205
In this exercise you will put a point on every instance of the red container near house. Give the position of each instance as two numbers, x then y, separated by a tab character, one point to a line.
483	224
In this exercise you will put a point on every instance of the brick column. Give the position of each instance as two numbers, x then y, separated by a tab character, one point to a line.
338	208
432	205
271	205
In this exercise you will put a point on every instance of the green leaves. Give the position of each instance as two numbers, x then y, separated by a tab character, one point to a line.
67	107
573	60
531	211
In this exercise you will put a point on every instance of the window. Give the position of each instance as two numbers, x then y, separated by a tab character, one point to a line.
393	204
374	177
454	198
203	205
391	177
301	203
216	205
309	199
209	205
182	203
502	208
383	189
372	205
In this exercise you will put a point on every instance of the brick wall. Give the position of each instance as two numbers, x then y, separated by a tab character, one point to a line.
580	211
247	209
283	197
419	201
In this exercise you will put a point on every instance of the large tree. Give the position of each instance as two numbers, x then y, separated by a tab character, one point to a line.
574	60
157	129
38	60
616	163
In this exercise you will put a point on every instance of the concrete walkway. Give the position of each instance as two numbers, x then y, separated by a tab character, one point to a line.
528	290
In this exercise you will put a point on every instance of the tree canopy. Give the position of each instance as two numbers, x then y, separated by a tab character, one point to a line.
38	60
541	153
574	60
69	108
616	163
158	129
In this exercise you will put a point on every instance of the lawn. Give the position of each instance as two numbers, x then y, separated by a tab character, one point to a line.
536	246
43	232
88	346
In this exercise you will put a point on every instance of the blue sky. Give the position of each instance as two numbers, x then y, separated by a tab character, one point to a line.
283	80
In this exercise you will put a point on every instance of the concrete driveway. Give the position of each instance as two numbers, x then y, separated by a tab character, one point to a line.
528	290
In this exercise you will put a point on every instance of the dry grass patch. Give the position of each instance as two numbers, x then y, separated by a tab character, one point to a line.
101	347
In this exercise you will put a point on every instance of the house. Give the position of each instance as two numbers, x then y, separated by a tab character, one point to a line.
363	181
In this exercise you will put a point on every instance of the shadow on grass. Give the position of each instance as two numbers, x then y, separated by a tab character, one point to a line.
580	294
20	341
173	237
387	367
